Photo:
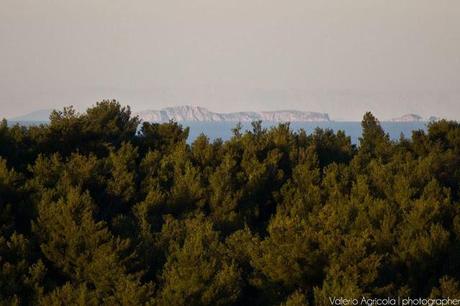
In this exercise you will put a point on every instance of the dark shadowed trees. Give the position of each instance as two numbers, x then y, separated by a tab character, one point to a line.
97	209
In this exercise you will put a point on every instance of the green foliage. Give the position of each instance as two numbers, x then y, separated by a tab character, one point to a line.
122	169
21	275
199	270
96	209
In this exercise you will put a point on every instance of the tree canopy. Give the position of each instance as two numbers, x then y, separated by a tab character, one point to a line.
98	208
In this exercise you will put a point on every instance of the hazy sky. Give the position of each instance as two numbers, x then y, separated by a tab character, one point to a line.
342	57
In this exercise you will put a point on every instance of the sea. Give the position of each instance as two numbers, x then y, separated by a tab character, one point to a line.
353	129
223	130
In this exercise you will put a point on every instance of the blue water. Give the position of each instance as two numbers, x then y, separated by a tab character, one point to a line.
223	130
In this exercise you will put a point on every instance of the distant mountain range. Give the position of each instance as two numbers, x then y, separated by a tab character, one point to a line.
196	113
39	115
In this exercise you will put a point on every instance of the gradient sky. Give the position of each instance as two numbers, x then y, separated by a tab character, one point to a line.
342	57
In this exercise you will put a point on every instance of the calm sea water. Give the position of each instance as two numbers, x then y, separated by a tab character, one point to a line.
223	130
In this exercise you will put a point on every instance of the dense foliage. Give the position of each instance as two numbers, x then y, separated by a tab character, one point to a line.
95	210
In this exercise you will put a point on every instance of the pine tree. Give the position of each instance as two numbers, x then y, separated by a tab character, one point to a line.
82	251
198	270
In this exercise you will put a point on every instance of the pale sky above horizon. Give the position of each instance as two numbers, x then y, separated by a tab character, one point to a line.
343	57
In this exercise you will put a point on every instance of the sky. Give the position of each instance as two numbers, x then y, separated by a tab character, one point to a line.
342	57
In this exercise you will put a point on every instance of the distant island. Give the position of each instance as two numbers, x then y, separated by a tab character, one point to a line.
413	118
197	113
201	114
408	118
